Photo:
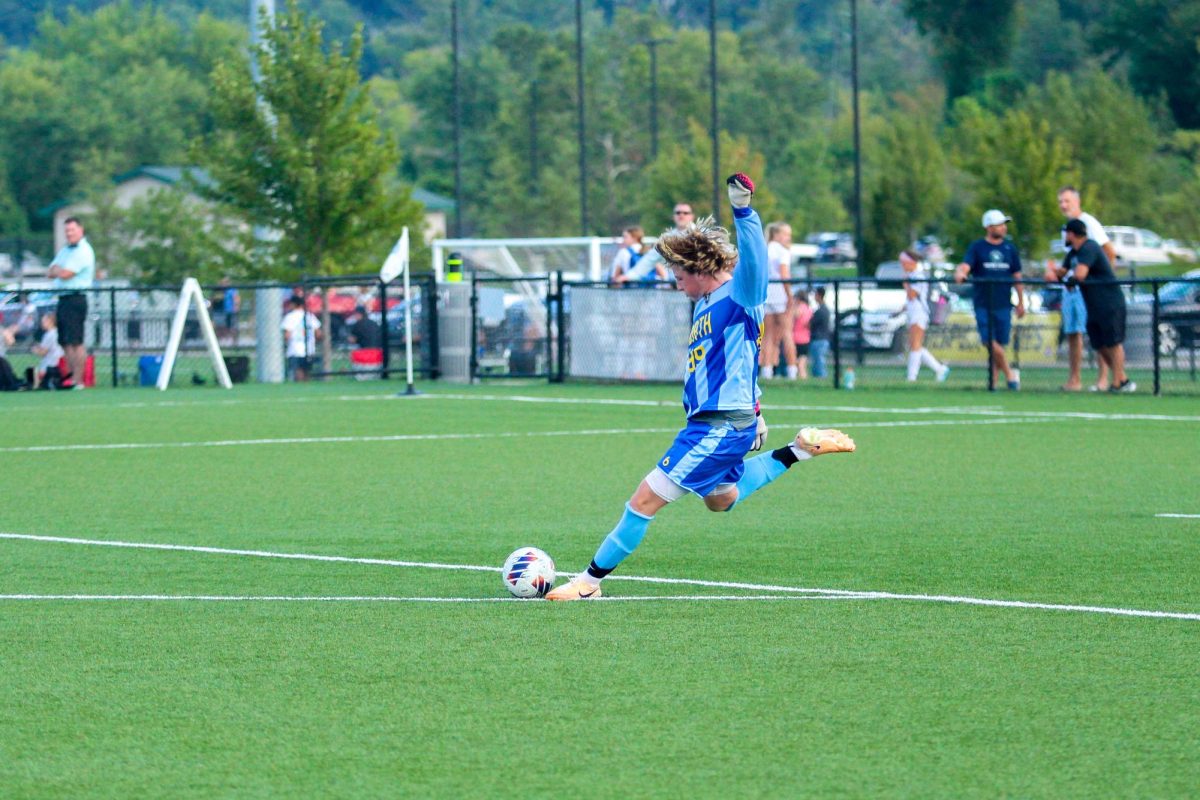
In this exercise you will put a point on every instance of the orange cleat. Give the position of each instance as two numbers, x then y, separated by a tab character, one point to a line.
819	441
576	589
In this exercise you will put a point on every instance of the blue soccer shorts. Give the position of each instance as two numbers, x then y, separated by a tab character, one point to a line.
1074	312
705	456
994	324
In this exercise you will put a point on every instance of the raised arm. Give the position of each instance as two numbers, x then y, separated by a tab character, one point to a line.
750	275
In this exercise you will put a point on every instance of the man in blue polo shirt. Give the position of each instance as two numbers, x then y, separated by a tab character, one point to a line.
73	271
994	266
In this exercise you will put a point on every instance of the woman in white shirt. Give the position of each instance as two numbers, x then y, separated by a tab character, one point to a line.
916	307
777	311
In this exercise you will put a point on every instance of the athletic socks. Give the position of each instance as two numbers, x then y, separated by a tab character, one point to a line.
919	358
914	364
619	543
763	469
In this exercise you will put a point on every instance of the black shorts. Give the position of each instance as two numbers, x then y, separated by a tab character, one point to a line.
72	311
802	349
1106	326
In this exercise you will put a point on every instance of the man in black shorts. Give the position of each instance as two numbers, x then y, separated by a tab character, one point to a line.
73	271
1089	267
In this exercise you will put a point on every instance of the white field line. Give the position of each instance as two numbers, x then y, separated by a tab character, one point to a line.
864	595
1179	516
770	407
426	437
388	599
982	410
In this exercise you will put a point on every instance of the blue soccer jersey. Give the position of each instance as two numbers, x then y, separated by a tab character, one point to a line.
722	350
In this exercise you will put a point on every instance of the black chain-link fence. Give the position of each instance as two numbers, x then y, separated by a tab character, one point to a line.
354	327
639	334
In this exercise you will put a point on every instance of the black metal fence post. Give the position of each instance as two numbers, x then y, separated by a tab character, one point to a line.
561	316
474	343
991	343
1154	342
837	335
383	318
859	355
429	309
112	330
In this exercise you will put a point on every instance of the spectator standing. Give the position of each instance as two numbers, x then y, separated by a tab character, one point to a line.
916	308
991	262
300	329
230	305
802	332
73	271
1089	269
778	308
819	333
363	331
1074	309
627	267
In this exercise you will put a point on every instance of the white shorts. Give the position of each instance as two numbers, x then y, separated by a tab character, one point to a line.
917	313
777	299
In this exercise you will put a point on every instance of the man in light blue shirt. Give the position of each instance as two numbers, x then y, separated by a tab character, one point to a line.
73	271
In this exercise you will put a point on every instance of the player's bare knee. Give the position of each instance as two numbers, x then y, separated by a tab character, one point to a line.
722	498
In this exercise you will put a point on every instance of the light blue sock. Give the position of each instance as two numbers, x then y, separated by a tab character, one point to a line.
622	540
760	471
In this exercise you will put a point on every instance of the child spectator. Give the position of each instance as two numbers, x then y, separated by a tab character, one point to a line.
47	374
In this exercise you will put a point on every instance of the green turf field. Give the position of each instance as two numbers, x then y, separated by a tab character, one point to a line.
861	660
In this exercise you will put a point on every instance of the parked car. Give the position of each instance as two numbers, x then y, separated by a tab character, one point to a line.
880	321
1178	313
1140	246
833	247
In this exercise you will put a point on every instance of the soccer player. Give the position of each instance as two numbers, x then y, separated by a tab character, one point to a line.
729	288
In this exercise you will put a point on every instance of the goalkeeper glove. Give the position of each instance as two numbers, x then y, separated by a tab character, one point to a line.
741	189
760	432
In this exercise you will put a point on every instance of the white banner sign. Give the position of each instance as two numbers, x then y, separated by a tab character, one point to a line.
629	334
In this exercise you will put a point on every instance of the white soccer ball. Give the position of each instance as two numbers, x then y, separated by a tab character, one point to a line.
528	572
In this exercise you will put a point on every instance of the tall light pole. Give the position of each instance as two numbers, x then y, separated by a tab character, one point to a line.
652	45
582	127
858	227
712	86
457	122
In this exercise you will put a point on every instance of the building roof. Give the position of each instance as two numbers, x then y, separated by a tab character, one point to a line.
171	176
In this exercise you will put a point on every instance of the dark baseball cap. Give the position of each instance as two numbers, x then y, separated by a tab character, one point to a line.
1077	227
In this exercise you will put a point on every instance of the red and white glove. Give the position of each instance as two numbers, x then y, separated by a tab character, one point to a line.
741	189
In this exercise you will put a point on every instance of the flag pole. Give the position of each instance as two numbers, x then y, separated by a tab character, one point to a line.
397	264
408	354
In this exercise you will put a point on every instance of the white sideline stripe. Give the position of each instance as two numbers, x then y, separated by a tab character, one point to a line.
854	595
1179	516
426	437
970	410
387	599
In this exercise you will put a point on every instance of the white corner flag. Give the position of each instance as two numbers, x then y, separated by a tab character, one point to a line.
393	266
397	260
189	294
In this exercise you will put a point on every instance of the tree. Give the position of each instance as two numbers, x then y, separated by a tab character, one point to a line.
1011	162
907	185
123	86
308	160
168	235
1160	39
970	38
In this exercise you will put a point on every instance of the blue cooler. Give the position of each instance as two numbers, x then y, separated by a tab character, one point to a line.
148	369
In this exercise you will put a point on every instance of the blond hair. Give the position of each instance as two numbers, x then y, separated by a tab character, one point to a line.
702	248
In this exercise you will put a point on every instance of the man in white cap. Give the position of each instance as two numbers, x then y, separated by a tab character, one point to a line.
994	266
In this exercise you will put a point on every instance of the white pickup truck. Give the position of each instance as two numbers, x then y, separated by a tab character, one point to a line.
1140	246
